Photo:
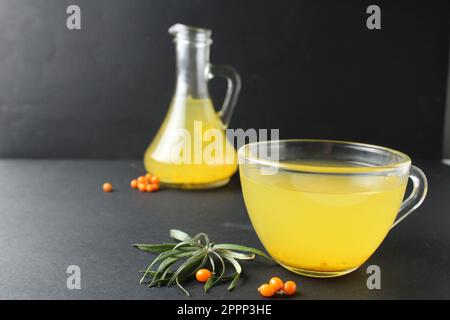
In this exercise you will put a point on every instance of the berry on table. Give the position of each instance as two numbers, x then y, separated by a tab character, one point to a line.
107	187
203	275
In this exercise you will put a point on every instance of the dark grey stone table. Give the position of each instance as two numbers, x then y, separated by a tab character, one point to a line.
53	214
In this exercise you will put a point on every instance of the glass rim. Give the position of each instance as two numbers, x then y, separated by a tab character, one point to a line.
403	162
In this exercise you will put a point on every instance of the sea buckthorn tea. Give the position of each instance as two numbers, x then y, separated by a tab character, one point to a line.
324	212
321	222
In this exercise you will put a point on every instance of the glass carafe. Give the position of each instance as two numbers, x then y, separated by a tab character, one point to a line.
191	149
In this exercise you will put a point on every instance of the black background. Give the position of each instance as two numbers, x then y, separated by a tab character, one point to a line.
310	68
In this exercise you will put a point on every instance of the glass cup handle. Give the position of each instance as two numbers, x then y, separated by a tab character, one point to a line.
234	86
418	193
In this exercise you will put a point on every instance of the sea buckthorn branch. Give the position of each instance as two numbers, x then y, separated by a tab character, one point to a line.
179	262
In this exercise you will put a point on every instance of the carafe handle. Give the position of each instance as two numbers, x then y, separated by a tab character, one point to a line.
234	86
418	193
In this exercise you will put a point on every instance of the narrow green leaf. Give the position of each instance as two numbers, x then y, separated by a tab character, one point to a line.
162	280
169	254
158	283
213	280
238	269
149	269
155	248
165	281
188	245
181	287
230	246
151	273
238	255
198	236
200	265
167	263
213	266
179	235
166	273
228	278
233	283
161	257
188	264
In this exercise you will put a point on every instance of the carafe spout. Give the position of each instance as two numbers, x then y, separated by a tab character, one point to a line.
192	55
190	34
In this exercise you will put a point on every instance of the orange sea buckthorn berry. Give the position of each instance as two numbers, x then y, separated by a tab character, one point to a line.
154	180
107	187
203	275
266	290
289	288
276	284
134	184
148	176
149	188
155	187
142	179
142	186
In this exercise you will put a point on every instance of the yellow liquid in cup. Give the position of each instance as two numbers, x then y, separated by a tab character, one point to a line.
192	165
317	222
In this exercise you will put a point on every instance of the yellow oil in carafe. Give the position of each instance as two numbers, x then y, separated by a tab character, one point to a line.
190	149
